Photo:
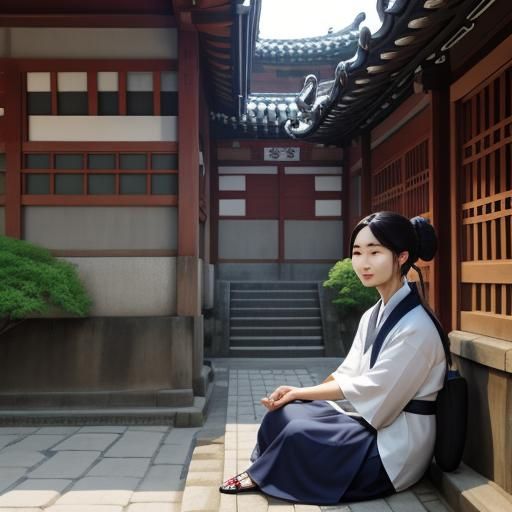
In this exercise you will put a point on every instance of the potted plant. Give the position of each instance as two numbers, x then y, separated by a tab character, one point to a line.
33	283
351	298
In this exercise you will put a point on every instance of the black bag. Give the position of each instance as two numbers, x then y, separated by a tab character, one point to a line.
451	421
450	407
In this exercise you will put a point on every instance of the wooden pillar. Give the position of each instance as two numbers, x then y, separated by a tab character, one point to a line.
346	200
188	289
440	200
13	120
366	174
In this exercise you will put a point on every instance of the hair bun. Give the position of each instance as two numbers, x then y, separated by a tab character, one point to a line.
427	239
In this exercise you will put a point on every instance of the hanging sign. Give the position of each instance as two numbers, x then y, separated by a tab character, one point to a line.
280	154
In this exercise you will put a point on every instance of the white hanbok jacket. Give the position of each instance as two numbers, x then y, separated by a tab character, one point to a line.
410	365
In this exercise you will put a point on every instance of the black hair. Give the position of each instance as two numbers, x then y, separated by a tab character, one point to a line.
398	234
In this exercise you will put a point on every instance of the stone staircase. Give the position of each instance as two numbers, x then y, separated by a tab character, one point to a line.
275	319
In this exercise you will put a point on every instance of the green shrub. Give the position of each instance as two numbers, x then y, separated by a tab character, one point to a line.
353	297
32	281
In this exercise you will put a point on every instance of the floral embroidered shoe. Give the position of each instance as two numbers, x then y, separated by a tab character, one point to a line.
239	483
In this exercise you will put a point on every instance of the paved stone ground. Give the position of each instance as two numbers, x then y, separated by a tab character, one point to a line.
143	468
94	468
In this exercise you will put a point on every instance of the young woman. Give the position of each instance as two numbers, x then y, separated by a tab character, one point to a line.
309	449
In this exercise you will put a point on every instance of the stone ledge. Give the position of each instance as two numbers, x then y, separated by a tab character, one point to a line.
491	352
465	490
191	416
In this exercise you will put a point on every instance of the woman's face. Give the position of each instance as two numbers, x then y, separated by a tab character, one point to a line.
373	263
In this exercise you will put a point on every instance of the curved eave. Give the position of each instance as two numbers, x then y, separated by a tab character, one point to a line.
363	88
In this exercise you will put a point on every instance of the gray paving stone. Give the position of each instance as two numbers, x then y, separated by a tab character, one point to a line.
6	439
182	435
136	467
405	502
173	454
17	459
36	442
34	493
150	428
161	484
136	444
370	506
65	465
58	430
22	431
436	506
100	491
8	476
89	442
106	429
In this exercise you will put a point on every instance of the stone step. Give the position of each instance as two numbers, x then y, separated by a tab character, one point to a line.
277	351
285	341
256	321
276	331
274	294
274	285
271	303
288	312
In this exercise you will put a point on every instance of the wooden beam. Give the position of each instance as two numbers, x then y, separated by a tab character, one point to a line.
13	119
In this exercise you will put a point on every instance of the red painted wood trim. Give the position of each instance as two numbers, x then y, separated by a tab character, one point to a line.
54	90
156	92
122	79
89	20
103	146
92	92
2	199
188	129
94	65
110	200
13	119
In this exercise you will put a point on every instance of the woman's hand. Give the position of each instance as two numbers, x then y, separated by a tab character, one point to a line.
281	396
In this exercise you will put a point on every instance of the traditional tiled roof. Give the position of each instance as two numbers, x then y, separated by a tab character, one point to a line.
414	34
331	47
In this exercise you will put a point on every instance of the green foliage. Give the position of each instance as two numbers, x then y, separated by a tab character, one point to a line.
353	297
32	281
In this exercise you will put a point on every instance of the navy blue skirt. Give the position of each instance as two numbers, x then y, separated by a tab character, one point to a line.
307	452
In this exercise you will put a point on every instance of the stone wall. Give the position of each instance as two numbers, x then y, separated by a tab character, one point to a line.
101	362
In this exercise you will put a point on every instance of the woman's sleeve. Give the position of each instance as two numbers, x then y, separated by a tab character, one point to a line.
381	393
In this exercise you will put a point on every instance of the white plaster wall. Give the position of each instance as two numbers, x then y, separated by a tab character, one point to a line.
313	170
89	43
328	183
232	183
313	239
248	239
101	227
327	208
234	207
103	128
249	169
129	286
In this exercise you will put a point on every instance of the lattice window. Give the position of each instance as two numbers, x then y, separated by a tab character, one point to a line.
486	202
402	186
